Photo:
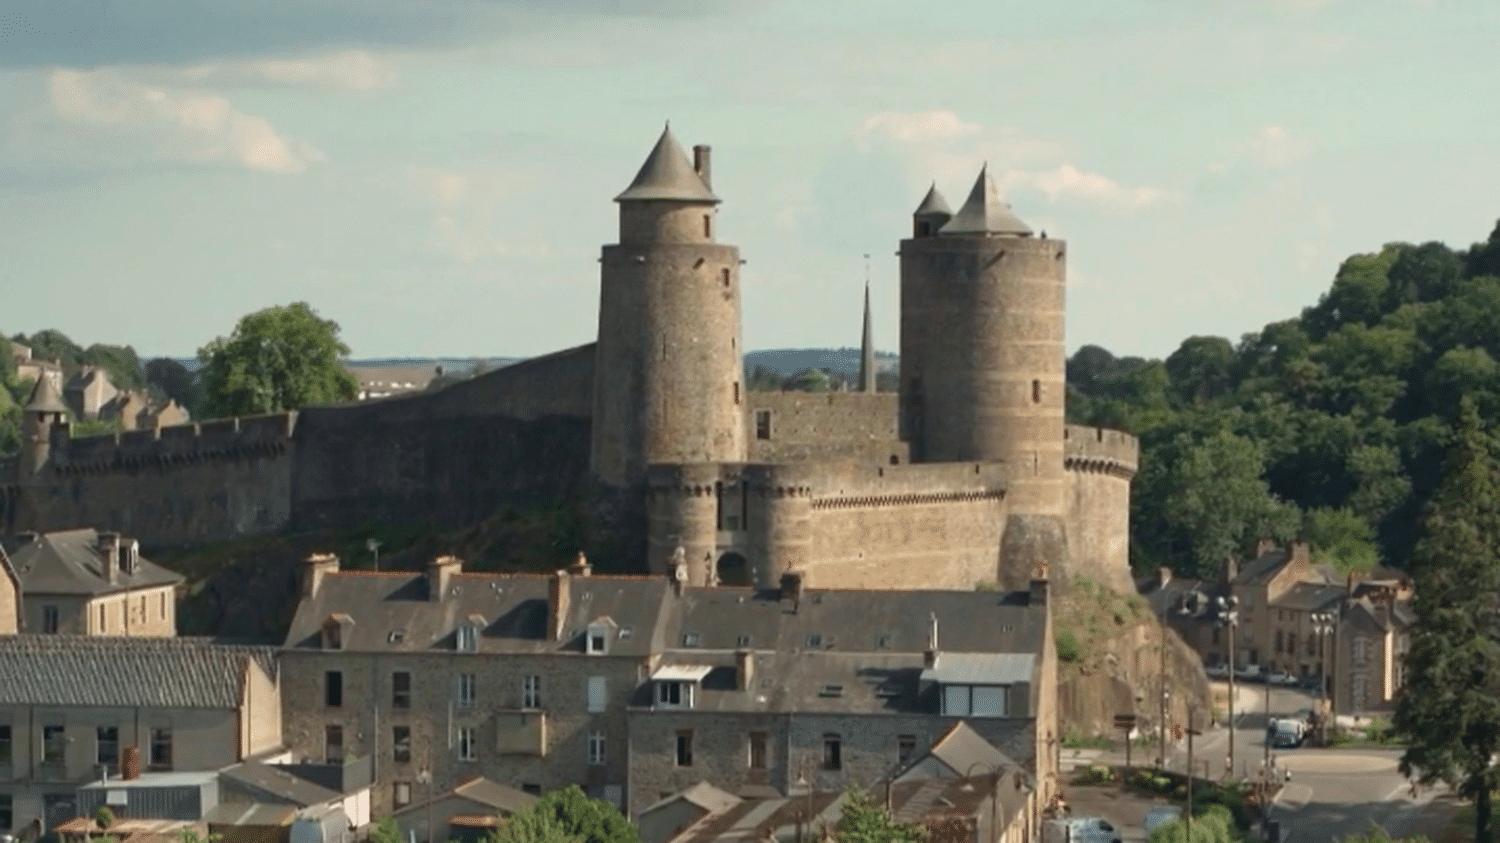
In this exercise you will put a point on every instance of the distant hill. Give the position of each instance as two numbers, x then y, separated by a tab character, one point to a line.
451	365
786	361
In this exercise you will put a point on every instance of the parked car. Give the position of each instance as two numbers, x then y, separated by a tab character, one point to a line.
1217	671
1249	673
1080	830
1286	733
1281	677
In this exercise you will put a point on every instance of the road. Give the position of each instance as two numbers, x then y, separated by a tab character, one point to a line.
1331	793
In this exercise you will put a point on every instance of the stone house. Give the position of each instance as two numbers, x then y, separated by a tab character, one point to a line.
1294	644
467	813
85	582
139	411
87	392
767	692
1260	581
1373	638
10	596
445	676
29	367
71	706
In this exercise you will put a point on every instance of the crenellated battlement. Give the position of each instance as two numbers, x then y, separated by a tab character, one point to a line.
1101	450
219	439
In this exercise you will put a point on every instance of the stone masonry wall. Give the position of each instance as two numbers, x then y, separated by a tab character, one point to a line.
1100	466
837	425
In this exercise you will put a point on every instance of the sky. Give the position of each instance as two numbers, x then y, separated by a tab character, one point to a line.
437	175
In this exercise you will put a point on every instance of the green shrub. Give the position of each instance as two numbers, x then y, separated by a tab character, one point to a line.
1068	648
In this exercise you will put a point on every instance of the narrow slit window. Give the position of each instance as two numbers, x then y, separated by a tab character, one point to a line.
725	276
708	227
1036	392
736	392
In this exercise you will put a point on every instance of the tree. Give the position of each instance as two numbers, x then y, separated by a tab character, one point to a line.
7	363
1450	711
865	820
120	362
172	379
567	816
1376	834
386	831
1199	368
280	358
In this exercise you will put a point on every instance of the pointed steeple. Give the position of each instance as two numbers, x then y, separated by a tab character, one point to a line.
867	343
667	175
44	398
985	213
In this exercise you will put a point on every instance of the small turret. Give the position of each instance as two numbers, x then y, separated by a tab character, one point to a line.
984	213
44	411
931	215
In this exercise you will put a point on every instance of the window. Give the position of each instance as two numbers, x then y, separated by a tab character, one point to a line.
724	274
401	744
691	639
466	690
401	794
161	748
598	641
736	392
54	744
466	638
762	424
674	694
101	617
1036	392
466	744
596	748
815	640
906	747
685	749
333	744
758	745
708	228
400	689
162	605
988	701
531	692
598	696
7	812
333	689
49	619
833	752
533	789
742	642
4	745
107	745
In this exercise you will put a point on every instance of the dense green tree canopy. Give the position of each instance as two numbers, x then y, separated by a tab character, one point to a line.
865	820
280	358
1329	426
567	816
171	379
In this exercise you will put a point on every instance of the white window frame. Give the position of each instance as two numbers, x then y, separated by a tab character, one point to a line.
466	639
467	749
531	692
597	747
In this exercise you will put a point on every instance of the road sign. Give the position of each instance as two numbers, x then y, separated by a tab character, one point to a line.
1125	721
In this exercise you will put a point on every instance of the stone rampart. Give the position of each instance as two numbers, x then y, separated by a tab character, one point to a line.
1100	465
803	426
1099	449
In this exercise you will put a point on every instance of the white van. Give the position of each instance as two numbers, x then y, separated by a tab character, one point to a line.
1080	830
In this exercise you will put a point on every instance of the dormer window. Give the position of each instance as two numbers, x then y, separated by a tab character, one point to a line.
677	686
336	631
467	640
691	639
596	641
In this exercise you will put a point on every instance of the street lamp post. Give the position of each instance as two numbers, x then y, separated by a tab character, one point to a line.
1323	624
1229	617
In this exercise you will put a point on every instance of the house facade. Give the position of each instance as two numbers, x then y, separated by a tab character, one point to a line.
74	707
86	582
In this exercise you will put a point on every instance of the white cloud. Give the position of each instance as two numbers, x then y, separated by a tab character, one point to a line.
354	70
124	115
943	146
463	208
1274	146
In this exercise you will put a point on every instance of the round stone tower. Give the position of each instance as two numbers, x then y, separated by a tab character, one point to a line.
667	381
983	361
44	411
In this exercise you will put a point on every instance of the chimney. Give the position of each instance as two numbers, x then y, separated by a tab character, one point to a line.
930	655
1040	586
1349	585
440	573
132	556
559	597
791	586
1264	546
744	669
1299	551
130	763
1231	569
314	569
703	164
581	566
1163	576
109	549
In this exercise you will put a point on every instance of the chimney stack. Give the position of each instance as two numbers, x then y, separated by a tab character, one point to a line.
1231	570
744	669
1163	576
703	164
314	569
1040	588
791	586
1299	551
930	655
131	556
581	566
1264	546
109	549
440	573
559	598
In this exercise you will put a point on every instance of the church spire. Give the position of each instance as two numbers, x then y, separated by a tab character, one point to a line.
867	342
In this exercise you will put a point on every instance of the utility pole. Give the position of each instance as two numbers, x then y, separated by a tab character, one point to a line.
1161	757
1229	616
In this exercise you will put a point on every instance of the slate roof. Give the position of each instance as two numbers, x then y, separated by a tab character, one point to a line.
667	174
279	783
855	621
984	212
933	205
1262	568
1308	597
44	398
1174	599
391	612
70	562
502	797
79	670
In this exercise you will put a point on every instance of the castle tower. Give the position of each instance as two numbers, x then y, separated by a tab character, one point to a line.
982	361
42	412
667	382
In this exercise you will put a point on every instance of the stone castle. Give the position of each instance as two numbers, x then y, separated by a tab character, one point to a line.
967	475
